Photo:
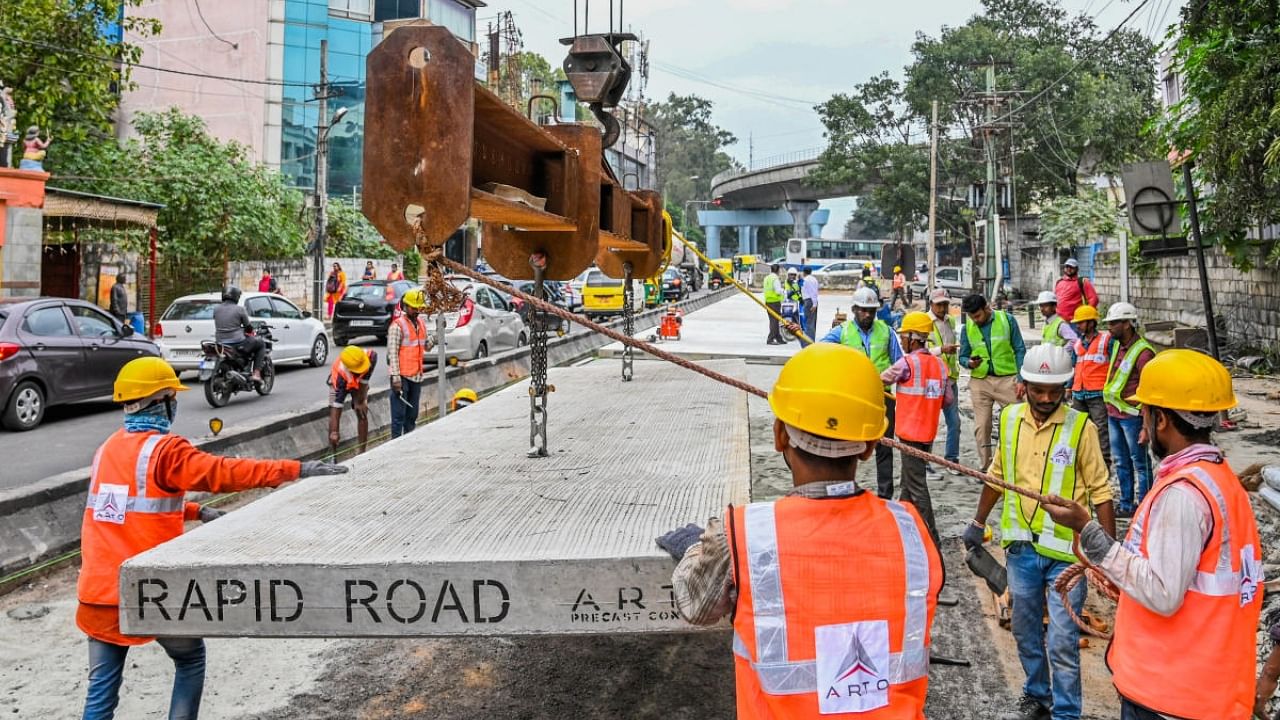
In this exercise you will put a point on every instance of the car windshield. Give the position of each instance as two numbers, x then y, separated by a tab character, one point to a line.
671	274
191	310
600	280
363	291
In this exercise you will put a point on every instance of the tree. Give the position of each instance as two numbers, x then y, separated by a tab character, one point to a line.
217	202
867	221
1070	222
66	71
348	233
690	148
1228	119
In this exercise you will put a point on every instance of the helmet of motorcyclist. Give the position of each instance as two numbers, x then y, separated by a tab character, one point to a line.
231	294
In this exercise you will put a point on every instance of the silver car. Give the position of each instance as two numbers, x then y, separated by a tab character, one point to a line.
485	324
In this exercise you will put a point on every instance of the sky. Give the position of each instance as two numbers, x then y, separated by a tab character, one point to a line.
765	63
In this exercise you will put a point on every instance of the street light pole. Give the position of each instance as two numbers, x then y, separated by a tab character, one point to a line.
322	182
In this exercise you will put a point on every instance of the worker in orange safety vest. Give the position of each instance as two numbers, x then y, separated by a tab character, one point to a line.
1093	362
407	346
1190	569
136	502
350	375
812	639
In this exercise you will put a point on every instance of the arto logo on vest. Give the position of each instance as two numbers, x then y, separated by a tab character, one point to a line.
853	666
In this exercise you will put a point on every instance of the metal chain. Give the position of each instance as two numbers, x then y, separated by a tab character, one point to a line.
538	387
628	322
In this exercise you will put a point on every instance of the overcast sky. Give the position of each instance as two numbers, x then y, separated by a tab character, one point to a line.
765	63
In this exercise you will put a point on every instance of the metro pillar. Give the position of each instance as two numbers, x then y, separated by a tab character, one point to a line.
713	241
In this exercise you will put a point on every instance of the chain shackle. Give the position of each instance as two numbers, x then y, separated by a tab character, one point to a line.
538	387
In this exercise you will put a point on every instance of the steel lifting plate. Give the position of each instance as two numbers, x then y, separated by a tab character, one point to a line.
637	234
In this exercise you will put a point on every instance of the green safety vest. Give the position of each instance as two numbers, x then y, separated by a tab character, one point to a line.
793	291
772	289
1005	362
1118	376
1051	336
851	336
952	360
1058	478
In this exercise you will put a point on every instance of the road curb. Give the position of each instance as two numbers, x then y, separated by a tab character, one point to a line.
43	519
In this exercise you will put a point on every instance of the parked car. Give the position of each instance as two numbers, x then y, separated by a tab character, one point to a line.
57	350
555	296
674	286
367	308
484	324
189	320
575	290
950	279
844	269
602	295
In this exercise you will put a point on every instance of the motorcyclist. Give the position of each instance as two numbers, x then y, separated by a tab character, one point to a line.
230	322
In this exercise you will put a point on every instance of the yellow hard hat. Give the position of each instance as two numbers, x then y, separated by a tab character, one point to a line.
466	394
1085	312
916	322
1185	380
143	377
354	359
415	298
897	268
831	391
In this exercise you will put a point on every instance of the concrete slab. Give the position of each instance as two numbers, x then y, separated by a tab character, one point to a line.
734	328
452	530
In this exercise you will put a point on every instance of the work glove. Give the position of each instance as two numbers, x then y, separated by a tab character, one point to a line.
313	468
678	541
973	536
209	514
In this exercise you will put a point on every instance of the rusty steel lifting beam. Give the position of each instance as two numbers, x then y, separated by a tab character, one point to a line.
440	148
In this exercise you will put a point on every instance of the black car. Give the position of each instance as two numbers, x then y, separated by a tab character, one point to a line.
555	296
674	285
367	309
58	350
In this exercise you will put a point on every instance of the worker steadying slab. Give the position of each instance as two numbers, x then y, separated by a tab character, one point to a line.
811	639
1190	569
140	476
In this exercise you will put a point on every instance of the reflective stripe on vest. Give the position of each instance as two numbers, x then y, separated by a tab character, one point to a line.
778	674
1005	361
920	398
851	336
1057	478
1092	363
139	502
1050	334
412	346
951	359
1113	391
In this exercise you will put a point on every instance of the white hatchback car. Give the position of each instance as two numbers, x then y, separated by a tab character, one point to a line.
485	324
189	320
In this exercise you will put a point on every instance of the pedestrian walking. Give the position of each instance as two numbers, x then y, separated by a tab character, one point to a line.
992	348
335	286
395	273
773	300
899	288
1073	291
349	377
1093	359
922	391
1129	356
267	283
875	339
813	639
369	272
119	304
1057	331
1190	569
136	502
1051	449
943	343
407	344
809	288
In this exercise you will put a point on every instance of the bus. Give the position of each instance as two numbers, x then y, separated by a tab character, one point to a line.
818	252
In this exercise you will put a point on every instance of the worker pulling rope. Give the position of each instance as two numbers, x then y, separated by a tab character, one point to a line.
1085	569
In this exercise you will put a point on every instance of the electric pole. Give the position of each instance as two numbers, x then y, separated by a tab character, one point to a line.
993	213
932	252
322	182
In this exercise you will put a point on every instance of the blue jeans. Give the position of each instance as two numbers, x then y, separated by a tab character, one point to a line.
1130	457
952	416
1031	576
106	671
404	407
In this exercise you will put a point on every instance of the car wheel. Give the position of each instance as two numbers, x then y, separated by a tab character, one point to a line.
522	340
26	407
319	351
482	351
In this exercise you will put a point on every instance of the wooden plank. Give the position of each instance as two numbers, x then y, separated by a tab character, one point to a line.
491	208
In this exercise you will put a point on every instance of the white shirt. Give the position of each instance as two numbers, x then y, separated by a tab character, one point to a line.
809	289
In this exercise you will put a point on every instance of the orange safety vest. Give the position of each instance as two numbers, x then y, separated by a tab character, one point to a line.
412	346
1092	363
1200	661
127	512
920	398
835	604
899	280
350	380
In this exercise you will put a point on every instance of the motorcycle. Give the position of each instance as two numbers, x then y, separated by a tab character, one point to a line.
791	312
225	370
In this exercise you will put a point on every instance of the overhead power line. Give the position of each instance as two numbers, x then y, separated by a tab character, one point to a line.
780	100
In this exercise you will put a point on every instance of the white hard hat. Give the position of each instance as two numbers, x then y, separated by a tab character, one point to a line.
866	298
1046	296
1121	311
792	271
1047	365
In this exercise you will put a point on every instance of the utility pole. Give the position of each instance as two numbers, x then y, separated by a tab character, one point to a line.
1210	325
322	182
932	258
993	215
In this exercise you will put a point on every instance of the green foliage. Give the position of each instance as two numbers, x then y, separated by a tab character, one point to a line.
58	84
217	202
412	265
1228	57
691	230
348	233
867	221
1070	222
689	146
